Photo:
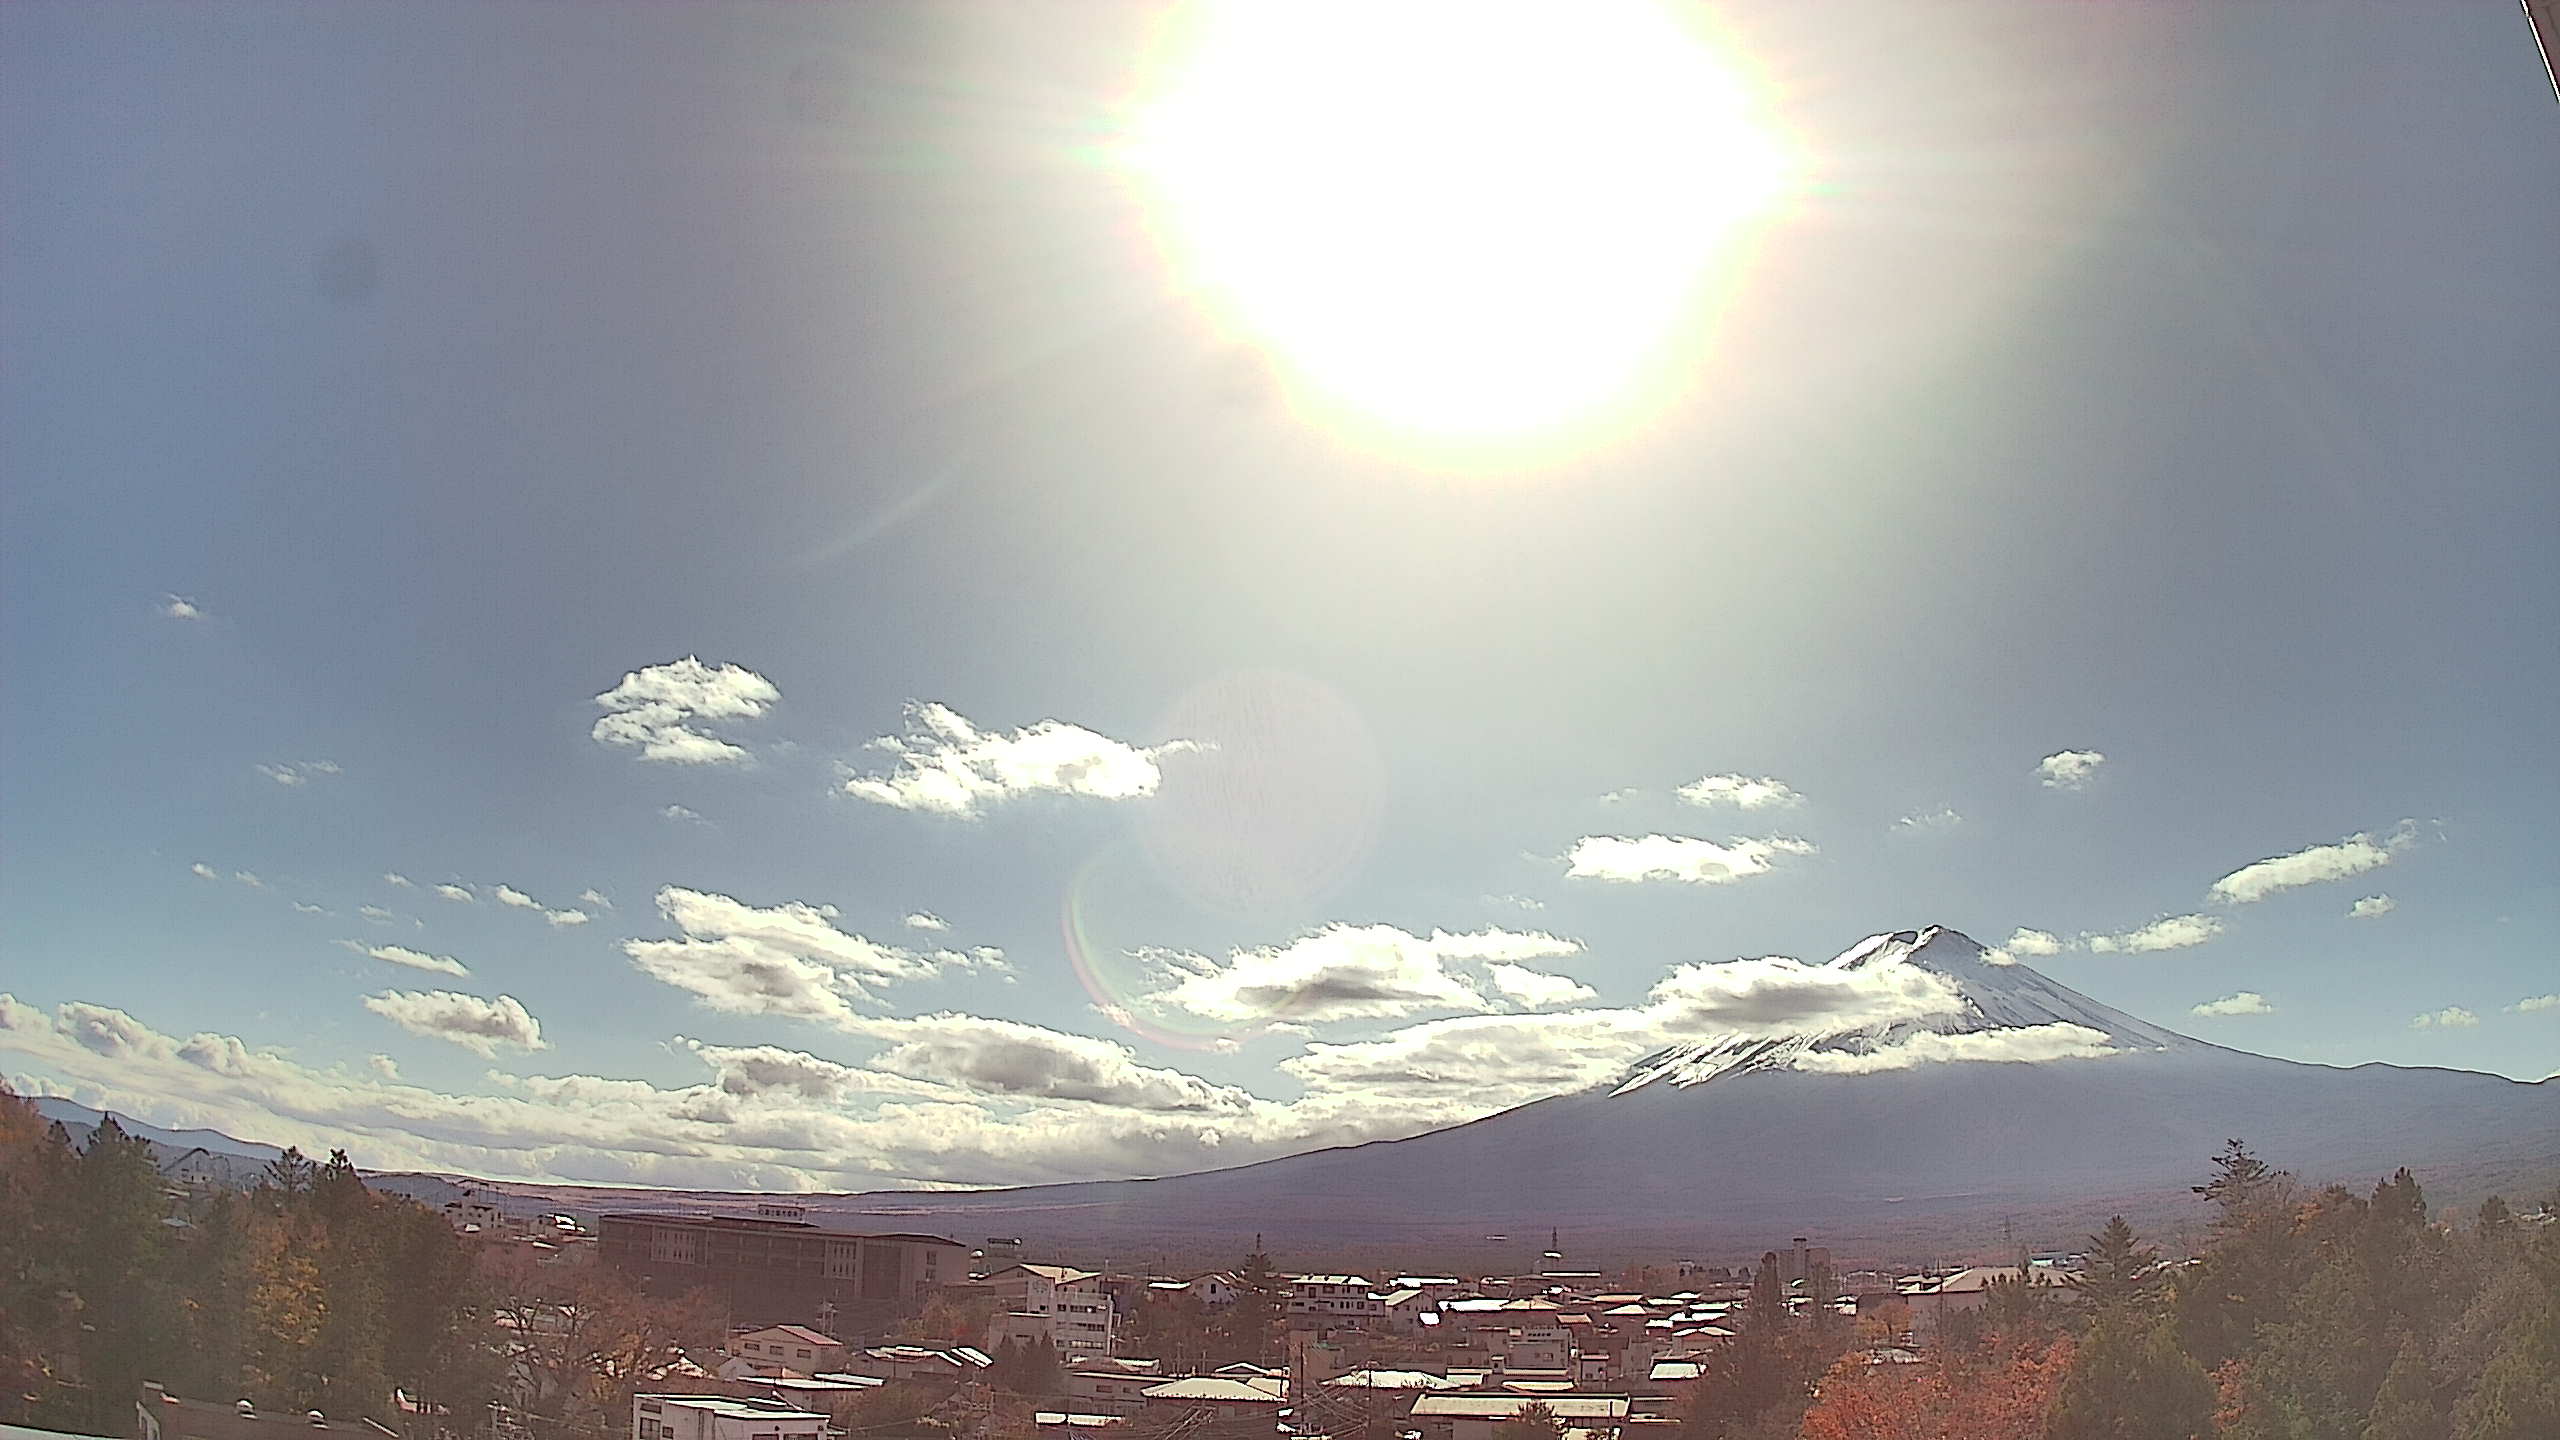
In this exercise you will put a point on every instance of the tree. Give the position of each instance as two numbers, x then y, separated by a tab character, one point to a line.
2518	1391
1953	1399
2123	1275
586	1338
1536	1420
2405	1409
1250	1328
2130	1381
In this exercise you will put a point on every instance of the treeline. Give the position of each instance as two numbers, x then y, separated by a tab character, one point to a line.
307	1292
2313	1314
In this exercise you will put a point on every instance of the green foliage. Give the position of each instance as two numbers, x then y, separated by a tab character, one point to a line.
2123	1274
1249	1329
2130	1381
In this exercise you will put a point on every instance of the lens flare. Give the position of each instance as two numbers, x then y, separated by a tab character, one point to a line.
1458	221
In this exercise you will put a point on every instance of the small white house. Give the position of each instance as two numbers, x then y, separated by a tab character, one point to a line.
717	1417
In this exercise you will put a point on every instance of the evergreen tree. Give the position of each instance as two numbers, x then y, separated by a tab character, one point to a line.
2123	1274
125	1316
289	1175
2130	1381
2517	1395
2405	1408
1250	1328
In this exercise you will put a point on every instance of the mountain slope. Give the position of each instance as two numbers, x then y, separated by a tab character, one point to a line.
1733	1140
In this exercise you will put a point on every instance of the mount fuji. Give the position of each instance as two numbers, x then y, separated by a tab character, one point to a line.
2014	1106
2020	1106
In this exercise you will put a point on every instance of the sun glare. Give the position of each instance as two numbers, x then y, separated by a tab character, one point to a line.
1458	220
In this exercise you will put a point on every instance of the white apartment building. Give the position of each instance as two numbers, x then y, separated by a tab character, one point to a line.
1351	1299
1065	1306
717	1417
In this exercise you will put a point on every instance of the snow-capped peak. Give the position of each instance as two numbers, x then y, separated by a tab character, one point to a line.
1995	1011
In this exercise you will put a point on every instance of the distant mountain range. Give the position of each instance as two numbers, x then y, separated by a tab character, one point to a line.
208	1153
1893	1140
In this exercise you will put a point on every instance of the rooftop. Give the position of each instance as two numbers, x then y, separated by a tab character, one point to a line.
1270	1388
1503	1407
731	1409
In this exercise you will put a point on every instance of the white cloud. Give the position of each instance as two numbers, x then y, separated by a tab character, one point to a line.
394	877
1739	791
413	959
384	1066
2069	769
946	765
595	898
376	913
509	895
1517	902
788	959
1925	822
680	814
926	920
2023	941
1475	1064
2242	1002
297	772
659	710
1009	1058
2372	907
566	917
249	878
2021	1044
2170	932
477	1025
203	871
2451	1017
1536	989
461	893
304	908
1678	857
1349	972
179	607
2534	1004
1777	994
1620	797
2313	865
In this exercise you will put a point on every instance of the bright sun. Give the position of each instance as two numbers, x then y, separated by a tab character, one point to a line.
1457	220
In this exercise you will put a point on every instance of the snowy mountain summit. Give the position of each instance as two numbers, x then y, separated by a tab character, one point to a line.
1982	1008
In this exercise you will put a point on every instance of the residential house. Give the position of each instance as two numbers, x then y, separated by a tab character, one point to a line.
1224	1397
720	1417
792	1347
1317	1301
1104	1384
1476	1417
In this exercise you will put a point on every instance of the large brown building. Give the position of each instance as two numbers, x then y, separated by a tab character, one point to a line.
778	1266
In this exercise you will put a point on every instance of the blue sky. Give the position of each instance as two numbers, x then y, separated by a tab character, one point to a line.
380	387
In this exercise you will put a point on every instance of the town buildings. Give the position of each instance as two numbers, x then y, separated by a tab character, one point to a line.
1056	1305
779	1266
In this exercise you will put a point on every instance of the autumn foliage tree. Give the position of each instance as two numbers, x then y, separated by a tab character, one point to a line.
2004	1395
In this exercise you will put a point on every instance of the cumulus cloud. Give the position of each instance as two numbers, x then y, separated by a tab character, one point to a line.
681	815
1929	822
1536	989
1686	858
946	765
1777	994
1481	1062
249	878
461	893
478	1025
305	908
511	896
376	914
403	955
926	920
2023	941
2170	932
2533	1004
787	959
1349	972
2372	907
298	772
203	871
2451	1017
394	877
2019	1044
179	607
1739	791
595	898
2069	769
2242	1002
566	917
660	710
2312	865
1013	1059
1517	902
